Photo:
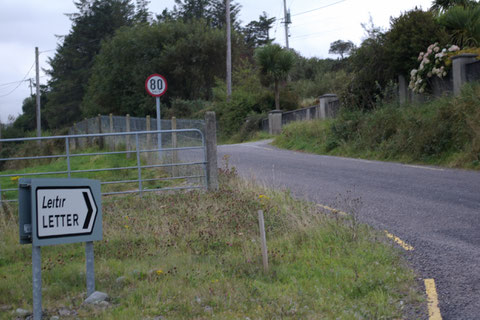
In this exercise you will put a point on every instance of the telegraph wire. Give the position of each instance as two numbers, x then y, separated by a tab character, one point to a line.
326	6
20	82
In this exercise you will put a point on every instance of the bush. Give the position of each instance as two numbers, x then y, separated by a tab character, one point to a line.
444	131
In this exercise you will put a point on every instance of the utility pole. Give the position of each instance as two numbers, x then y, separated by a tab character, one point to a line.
39	129
286	21
229	51
31	86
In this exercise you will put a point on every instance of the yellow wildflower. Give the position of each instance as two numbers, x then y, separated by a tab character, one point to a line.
127	226
159	271
15	178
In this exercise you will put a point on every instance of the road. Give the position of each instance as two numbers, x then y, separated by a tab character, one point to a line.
435	210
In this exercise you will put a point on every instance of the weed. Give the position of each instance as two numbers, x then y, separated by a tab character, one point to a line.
196	255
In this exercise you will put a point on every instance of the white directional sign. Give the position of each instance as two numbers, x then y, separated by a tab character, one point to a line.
59	211
67	211
156	85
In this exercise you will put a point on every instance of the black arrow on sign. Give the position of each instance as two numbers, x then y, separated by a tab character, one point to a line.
90	210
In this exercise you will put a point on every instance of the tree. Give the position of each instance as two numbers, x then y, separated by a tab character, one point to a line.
257	32
71	65
440	6
186	53
409	34
463	25
27	120
211	11
341	47
275	63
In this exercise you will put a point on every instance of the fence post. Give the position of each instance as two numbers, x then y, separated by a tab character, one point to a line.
275	122
0	138
112	138
148	127
86	132
174	146
402	89
127	137
263	240
458	70
324	107
100	139
211	150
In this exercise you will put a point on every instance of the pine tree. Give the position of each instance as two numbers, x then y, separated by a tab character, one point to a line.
70	71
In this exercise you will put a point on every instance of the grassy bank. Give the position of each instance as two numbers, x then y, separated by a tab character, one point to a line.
442	132
196	255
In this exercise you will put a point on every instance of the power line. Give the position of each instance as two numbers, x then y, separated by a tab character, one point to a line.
315	35
25	77
326	6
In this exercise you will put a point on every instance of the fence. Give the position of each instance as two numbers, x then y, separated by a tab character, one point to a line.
112	124
183	160
465	68
328	107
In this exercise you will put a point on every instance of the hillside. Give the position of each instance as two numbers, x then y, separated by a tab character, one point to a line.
442	132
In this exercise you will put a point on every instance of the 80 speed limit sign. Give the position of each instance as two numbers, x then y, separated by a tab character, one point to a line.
156	85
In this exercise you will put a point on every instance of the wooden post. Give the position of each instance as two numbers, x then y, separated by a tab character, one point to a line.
211	150
174	145
148	128
86	132
77	140
148	138
263	240
0	142
127	138
112	138
73	142
100	139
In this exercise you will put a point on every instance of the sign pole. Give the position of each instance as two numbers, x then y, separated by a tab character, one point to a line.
90	273
37	282
159	127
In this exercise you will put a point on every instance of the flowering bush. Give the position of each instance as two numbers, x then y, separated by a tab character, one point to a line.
434	62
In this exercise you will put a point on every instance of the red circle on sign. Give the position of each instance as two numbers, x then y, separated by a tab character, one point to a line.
152	87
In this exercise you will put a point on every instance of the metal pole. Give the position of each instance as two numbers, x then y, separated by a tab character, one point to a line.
159	127
39	129
229	52
37	282
140	188
286	22
90	272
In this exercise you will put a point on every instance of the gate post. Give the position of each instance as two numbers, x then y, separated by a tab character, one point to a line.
100	138
211	150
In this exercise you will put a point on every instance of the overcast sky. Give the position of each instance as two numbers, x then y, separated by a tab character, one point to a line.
25	24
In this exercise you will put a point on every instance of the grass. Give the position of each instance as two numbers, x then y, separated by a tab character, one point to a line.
442	132
196	255
21	167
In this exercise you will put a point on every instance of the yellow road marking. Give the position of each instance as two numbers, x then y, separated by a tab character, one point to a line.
332	210
399	241
432	299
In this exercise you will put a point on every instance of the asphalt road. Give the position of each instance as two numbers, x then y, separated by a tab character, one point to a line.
433	209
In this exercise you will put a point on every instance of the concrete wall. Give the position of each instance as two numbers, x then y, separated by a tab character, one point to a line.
328	107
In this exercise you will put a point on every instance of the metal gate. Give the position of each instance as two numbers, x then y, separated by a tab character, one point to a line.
153	161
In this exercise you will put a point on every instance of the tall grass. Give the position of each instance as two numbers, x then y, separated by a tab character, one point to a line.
442	132
196	255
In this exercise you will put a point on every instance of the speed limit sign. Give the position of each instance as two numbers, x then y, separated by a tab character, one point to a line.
156	85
